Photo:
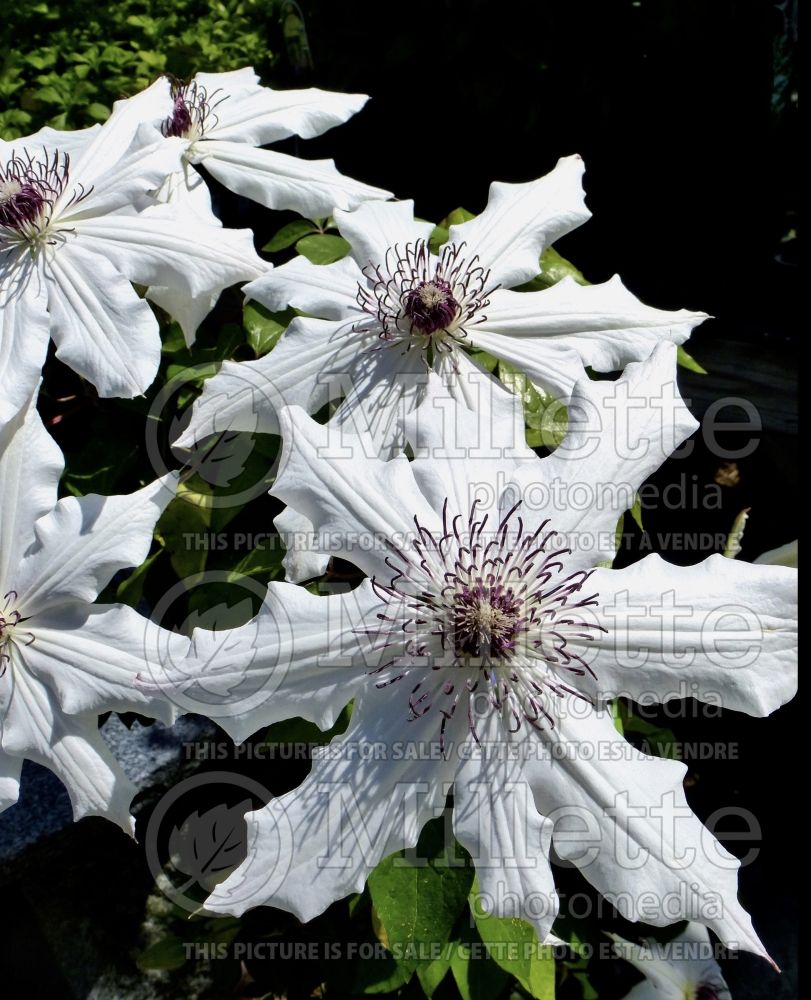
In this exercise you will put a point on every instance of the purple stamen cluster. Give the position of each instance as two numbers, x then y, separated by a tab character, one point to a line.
414	294
501	609
29	188
487	620
431	306
193	111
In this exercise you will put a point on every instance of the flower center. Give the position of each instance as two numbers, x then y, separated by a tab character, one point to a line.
21	200
486	620
493	612
422	300
431	306
10	620
29	189
193	111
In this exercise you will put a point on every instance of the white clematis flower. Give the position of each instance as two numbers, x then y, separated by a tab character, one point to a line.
482	654
63	659
72	243
218	119
681	969
393	309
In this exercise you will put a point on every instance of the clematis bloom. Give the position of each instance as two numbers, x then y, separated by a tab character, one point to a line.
394	310
681	969
482	654
65	660
72	242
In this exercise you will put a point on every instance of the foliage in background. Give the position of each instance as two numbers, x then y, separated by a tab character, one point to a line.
54	70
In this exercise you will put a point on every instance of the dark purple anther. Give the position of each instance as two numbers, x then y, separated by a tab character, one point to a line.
431	306
20	203
487	620
192	112
179	123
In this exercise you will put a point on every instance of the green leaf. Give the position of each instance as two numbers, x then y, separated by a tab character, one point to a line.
101	464
186	519
380	975
167	953
616	707
419	900
323	248
545	416
487	361
290	731
553	267
689	362
636	511
660	740
431	974
172	339
476	975
437	238
288	235
457	217
99	112
513	944
263	327
131	590
262	563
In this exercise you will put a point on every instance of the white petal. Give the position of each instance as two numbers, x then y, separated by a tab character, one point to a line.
187	191
384	387
248	395
662	981
722	631
521	220
621	817
326	290
302	655
674	969
604	325
159	248
126	184
71	747
10	768
85	540
114	138
30	466
102	329
302	561
467	436
496	821
619	433
24	326
358	504
377	226
311	187
259	115
89	656
230	81
319	842
51	139
187	310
